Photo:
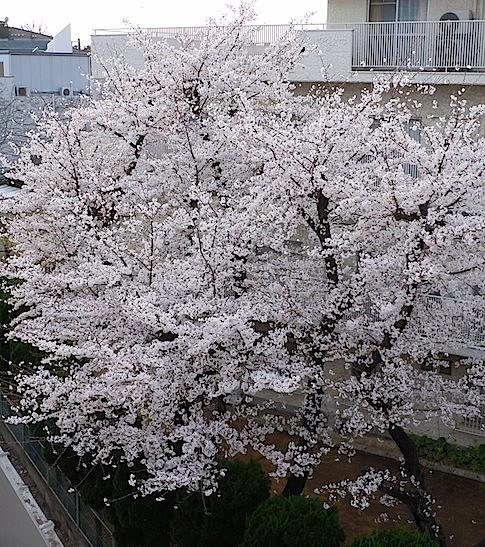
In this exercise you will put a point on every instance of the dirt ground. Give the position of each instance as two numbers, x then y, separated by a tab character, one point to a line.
460	503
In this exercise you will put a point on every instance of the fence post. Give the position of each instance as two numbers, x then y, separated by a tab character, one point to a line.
78	518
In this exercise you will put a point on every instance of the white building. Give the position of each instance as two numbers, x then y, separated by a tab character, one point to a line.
36	70
438	42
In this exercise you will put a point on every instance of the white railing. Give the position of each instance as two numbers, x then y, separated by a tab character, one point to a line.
264	34
426	45
451	321
253	34
472	425
446	321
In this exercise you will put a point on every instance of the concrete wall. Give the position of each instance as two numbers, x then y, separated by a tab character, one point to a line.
434	428
436	8
329	59
6	91
22	521
473	94
66	528
347	11
105	47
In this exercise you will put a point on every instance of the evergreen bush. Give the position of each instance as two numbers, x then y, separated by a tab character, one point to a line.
397	537
140	521
293	522
439	450
219	520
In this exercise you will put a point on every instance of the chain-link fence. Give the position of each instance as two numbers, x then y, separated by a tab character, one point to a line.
90	524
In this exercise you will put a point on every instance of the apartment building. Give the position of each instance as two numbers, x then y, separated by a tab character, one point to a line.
432	36
437	42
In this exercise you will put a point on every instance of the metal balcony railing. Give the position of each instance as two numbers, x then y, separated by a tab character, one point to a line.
475	425
253	34
451	321
424	45
444	320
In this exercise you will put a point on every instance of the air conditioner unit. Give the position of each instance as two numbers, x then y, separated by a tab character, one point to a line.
22	91
66	92
457	15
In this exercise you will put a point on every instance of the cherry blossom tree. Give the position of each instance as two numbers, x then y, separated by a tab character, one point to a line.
140	214
398	224
203	233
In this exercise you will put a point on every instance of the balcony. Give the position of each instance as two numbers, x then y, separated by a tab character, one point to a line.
450	324
253	34
428	46
475	426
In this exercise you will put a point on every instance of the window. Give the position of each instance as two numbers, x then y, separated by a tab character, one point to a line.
22	91
1	70
388	11
382	11
413	129
412	10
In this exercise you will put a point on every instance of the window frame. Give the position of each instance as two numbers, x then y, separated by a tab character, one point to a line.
396	3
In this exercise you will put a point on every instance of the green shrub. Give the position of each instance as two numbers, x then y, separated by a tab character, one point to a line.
137	522
13	353
472	457
433	450
141	521
397	537
219	520
458	456
438	450
477	458
293	522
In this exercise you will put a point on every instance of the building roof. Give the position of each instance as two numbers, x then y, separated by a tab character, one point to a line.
8	191
14	33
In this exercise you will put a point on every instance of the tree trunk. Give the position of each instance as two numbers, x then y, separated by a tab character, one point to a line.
294	485
312	414
417	498
408	450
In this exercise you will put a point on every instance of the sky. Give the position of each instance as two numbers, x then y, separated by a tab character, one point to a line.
86	15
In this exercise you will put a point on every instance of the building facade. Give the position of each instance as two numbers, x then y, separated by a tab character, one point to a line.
437	42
